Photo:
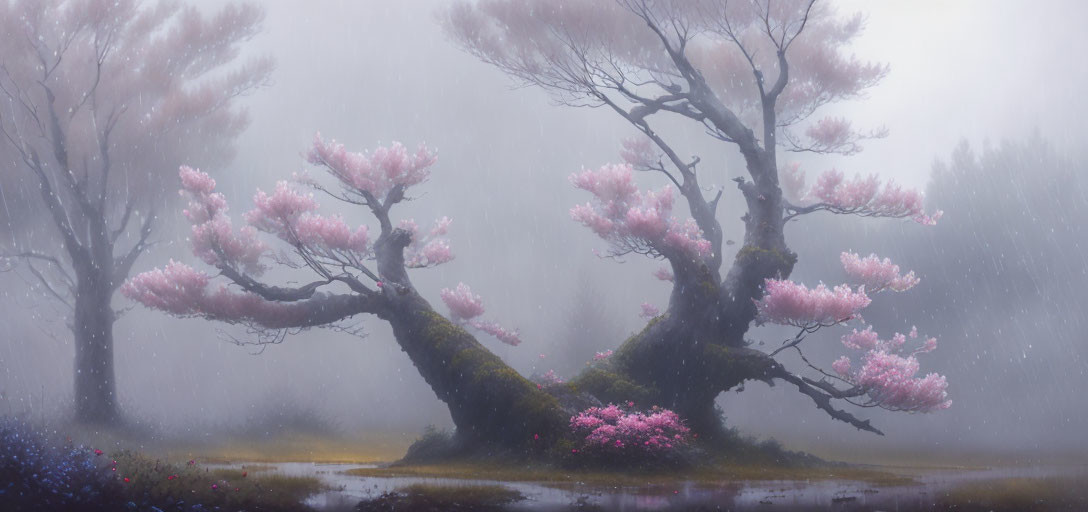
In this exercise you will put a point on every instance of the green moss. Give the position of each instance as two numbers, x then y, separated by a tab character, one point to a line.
442	331
750	253
609	386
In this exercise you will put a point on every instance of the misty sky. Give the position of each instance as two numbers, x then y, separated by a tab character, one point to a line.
373	71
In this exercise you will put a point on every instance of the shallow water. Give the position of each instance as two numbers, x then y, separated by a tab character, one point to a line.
762	495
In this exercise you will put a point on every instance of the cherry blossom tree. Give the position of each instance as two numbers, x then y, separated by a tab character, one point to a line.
353	270
100	101
756	75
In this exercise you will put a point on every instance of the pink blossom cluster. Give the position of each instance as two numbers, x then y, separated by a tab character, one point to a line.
632	220
831	132
876	274
610	429
549	379
867	196
664	274
183	291
649	311
870	340
638	152
507	336
374	174
463	304
290	215
888	377
792	180
601	356
787	303
427	250
278	212
465	307
213	237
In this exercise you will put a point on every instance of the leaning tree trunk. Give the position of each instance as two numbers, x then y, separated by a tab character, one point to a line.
95	386
490	403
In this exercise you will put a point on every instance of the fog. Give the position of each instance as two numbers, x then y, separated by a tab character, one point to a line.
368	72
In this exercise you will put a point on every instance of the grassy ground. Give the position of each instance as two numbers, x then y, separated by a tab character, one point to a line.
358	449
154	482
361	448
707	475
1019	494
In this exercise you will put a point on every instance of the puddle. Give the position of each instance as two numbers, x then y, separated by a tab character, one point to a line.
776	495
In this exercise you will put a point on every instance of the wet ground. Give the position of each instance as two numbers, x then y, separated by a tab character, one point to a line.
771	495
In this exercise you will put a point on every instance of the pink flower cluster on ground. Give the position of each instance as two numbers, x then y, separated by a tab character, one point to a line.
860	195
787	303
632	220
612	430
465	307
876	274
376	173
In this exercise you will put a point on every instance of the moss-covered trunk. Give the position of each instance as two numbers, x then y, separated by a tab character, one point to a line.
697	349
490	402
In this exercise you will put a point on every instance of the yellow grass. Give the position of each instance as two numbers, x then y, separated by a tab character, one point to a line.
706	475
1019	494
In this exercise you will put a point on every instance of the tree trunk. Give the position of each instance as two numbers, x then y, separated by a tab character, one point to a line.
490	402
687	357
95	386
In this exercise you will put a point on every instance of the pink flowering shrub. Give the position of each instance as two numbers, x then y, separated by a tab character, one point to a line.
465	309
615	433
635	221
601	356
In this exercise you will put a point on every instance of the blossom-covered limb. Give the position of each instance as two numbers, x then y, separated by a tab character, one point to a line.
787	303
876	274
466	308
863	196
634	221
